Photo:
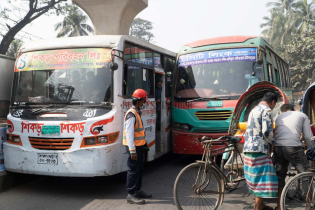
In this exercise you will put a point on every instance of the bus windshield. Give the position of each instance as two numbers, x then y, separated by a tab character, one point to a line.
81	81
201	76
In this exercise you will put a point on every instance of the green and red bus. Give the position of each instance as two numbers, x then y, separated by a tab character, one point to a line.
209	77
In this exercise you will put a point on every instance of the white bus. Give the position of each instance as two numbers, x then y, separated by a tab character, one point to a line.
68	104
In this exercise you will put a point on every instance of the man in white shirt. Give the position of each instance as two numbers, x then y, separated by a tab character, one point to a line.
288	148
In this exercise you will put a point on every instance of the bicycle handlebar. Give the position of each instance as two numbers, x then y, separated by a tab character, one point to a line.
206	139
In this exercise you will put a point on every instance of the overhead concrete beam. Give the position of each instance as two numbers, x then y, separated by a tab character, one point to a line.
112	17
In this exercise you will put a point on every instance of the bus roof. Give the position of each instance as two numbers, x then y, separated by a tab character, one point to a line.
220	40
106	41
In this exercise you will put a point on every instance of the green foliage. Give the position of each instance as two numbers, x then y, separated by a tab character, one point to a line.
15	15
141	29
74	24
289	30
301	53
14	48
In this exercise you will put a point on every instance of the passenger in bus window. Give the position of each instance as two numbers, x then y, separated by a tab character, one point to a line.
101	85
76	80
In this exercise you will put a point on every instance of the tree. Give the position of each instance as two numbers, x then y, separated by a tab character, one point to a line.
141	29
74	24
301	52
27	12
14	48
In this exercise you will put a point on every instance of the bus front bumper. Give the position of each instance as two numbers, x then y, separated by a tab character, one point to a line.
87	162
188	143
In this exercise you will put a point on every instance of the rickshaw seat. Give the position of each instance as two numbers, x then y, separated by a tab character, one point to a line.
233	139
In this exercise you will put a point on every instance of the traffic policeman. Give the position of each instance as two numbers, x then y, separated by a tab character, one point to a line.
134	140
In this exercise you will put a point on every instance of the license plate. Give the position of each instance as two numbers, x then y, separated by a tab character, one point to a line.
214	103
51	129
47	158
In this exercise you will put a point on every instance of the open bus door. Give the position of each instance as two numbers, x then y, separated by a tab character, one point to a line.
249	100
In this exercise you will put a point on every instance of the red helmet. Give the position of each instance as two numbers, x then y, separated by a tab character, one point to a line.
139	94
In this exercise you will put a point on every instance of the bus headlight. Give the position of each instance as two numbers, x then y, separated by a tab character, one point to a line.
16	139
90	141
102	139
182	127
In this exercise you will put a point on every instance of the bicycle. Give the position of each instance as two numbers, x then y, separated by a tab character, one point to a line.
299	192
203	181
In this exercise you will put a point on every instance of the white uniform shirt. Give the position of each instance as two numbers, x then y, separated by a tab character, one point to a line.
289	126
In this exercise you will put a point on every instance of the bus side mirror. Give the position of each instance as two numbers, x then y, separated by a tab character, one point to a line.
113	66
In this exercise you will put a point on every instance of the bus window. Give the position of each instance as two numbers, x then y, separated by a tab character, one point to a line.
138	78
140	55
280	72
277	78
285	83
127	54
168	68
269	72
157	61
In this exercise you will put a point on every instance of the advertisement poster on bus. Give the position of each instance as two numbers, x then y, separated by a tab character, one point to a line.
218	56
63	59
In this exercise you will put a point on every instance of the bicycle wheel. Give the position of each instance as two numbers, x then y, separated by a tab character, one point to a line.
298	193
197	188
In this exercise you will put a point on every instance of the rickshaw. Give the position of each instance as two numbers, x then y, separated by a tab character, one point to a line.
299	191
202	184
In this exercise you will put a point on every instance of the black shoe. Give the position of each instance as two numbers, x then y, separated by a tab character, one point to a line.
142	194
133	199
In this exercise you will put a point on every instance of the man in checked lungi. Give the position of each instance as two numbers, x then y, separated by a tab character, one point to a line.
259	171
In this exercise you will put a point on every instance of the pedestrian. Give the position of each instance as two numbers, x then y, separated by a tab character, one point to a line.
288	148
134	140
259	171
300	102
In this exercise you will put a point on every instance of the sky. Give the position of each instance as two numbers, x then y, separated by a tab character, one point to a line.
178	22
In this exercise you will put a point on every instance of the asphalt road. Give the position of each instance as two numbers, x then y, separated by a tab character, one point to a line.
107	193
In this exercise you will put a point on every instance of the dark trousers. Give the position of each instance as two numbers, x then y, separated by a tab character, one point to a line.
134	171
282	156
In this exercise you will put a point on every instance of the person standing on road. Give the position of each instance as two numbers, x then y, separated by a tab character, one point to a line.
288	147
134	140
259	171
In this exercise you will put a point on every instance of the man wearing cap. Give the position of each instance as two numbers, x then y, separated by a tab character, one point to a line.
134	140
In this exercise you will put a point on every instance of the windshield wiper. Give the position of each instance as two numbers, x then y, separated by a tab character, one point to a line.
219	98
197	99
205	99
40	109
79	102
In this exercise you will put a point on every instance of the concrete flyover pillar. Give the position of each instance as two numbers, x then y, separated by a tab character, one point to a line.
112	17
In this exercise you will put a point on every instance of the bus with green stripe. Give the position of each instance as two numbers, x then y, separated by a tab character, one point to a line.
209	77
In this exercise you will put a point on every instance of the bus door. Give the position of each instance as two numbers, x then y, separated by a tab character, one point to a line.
138	77
159	99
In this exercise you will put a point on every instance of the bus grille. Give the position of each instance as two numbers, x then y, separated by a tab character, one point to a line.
51	143
213	115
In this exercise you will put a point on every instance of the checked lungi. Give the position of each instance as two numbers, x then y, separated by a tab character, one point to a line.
260	175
